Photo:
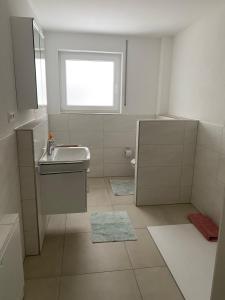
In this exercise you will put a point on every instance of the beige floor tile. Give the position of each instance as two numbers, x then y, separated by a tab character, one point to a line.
42	289
119	285
82	256
144	216
48	264
78	223
81	222
177	214
56	225
98	196
157	284
96	183
143	252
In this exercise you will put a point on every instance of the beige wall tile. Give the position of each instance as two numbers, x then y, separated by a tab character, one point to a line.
160	155
161	132
159	176
158	195
27	182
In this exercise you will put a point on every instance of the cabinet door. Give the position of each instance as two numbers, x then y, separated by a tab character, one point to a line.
29	63
24	62
64	193
37	55
43	72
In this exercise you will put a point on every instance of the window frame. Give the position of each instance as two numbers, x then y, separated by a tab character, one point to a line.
116	57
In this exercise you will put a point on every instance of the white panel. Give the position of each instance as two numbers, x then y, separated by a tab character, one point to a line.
189	256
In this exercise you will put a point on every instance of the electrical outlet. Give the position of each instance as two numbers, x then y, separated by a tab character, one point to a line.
11	116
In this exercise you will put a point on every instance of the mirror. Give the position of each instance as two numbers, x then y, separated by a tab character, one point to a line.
39	50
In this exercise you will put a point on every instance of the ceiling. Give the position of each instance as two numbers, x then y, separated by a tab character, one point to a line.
121	16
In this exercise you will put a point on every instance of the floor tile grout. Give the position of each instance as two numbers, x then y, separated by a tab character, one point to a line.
64	234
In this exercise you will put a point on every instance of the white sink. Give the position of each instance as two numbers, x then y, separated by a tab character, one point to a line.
65	160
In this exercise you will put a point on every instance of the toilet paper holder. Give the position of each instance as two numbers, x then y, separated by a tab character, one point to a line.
128	152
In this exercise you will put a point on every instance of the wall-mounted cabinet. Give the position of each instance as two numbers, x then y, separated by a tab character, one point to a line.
29	63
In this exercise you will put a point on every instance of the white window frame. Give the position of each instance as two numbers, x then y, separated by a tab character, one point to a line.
116	57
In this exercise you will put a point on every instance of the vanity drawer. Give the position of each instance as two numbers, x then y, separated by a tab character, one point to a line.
64	193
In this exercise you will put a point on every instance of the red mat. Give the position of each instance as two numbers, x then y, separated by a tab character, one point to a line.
205	225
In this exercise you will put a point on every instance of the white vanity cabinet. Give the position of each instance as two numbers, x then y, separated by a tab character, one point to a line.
63	193
29	63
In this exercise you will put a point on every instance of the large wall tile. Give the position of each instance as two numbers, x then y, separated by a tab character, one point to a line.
187	175
88	139
209	199
221	169
61	137
209	172
191	131
24	148
210	136
159	195
119	139
189	154
119	123
158	155
118	169
58	122
117	155
27	182
85	123
29	215
159	176
161	132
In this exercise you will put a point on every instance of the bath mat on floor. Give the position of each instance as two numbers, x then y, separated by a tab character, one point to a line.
122	187
111	227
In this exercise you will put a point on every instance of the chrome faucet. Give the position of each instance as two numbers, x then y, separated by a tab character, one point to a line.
50	146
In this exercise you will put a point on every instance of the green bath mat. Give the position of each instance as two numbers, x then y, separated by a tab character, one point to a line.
111	227
122	187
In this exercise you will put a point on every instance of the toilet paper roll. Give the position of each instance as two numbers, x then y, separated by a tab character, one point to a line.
128	153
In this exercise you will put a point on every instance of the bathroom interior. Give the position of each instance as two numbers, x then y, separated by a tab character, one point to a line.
112	150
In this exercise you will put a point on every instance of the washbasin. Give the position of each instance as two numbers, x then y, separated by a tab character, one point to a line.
65	160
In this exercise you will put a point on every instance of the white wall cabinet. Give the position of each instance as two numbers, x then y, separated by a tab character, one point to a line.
29	63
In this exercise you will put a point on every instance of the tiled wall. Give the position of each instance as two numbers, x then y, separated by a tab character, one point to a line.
31	140
209	174
9	178
107	136
165	161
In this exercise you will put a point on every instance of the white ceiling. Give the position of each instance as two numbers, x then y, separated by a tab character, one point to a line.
121	16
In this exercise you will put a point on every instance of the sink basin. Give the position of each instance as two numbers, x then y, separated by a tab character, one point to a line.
65	160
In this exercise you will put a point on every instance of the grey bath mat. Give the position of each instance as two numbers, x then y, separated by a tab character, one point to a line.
122	187
111	227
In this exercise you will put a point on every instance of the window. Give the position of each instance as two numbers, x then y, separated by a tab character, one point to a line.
91	81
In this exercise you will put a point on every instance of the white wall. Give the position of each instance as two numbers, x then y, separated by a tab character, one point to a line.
198	72
198	91
9	181
143	66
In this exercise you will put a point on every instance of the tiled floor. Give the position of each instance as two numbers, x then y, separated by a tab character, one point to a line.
71	267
